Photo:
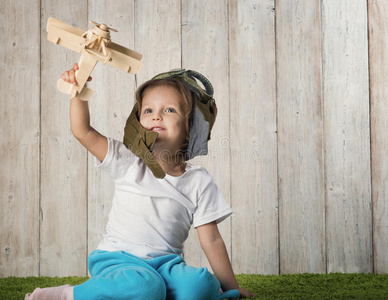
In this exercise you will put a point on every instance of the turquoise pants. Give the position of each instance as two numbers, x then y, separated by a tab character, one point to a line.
120	275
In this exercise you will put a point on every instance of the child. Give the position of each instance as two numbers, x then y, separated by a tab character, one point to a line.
157	198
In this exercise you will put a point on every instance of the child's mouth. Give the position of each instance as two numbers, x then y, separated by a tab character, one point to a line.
157	129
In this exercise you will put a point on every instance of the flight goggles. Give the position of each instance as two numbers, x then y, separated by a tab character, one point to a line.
189	79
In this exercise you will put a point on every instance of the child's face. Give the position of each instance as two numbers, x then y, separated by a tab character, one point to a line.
162	112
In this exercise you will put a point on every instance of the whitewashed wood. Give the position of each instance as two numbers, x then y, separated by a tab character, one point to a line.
205	49
347	141
158	36
253	137
19	138
304	119
300	145
378	61
109	109
63	158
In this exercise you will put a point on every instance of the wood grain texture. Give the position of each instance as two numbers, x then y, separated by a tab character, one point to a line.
158	36
347	141
205	50
19	138
297	149
253	137
109	109
300	137
63	158
378	60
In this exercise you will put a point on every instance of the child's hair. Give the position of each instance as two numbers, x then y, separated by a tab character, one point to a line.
178	85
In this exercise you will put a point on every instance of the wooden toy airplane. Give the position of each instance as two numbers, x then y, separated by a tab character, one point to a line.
94	45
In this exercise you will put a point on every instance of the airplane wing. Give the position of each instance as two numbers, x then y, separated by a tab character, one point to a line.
65	35
124	58
125	51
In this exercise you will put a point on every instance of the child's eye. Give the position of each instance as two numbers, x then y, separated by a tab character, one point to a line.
170	110
147	111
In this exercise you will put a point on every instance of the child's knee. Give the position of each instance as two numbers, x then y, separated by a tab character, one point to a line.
203	286
154	288
143	285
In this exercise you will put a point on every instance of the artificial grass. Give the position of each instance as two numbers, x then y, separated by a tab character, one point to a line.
294	286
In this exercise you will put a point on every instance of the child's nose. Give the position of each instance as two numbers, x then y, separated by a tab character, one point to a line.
157	116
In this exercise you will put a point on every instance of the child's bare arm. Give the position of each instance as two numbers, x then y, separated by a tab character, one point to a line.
214	247
91	139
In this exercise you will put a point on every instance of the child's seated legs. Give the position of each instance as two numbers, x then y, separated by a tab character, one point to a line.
118	275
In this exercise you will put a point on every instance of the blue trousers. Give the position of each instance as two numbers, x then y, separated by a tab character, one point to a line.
120	275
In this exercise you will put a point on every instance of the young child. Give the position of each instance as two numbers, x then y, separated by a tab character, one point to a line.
158	195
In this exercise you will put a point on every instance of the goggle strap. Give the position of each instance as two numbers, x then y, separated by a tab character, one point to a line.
206	83
172	73
188	79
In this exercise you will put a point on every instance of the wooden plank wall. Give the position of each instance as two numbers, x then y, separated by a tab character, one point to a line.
298	148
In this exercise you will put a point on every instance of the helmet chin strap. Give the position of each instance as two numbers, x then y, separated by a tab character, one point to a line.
141	141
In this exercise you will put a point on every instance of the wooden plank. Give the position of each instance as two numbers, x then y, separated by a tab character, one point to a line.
109	109
63	159
253	137
300	140
158	36
19	138
378	61
347	142
205	49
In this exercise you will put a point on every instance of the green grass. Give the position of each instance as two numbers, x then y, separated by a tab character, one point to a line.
13	288
295	286
317	286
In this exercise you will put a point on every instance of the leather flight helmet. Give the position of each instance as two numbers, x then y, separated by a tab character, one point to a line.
141	141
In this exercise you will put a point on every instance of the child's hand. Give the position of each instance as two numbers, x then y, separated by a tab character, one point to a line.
69	76
245	293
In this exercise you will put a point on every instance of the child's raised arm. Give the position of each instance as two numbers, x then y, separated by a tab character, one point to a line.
91	139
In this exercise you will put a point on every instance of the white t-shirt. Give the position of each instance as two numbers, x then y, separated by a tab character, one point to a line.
151	217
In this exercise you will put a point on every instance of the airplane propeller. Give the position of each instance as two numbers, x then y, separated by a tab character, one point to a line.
103	27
